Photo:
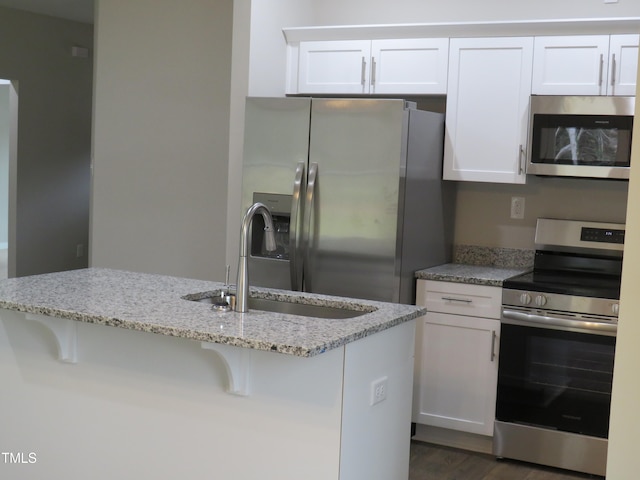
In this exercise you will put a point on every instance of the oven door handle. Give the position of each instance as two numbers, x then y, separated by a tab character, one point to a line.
530	319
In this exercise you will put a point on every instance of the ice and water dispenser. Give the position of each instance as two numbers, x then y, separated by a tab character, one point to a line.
280	207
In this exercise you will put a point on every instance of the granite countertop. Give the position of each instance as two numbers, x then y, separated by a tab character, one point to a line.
155	304
481	265
473	274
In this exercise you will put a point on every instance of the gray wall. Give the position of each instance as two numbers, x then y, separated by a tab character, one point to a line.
161	136
51	197
483	209
4	165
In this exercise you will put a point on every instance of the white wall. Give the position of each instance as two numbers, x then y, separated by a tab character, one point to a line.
54	141
267	72
362	12
622	462
161	136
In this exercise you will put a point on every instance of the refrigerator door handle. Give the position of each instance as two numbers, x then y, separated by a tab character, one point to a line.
295	266
306	229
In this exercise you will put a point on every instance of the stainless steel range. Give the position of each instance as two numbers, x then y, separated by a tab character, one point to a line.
557	348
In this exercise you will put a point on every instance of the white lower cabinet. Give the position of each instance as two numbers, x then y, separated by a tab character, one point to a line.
456	369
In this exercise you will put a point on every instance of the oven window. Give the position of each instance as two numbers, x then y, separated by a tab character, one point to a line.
590	140
555	379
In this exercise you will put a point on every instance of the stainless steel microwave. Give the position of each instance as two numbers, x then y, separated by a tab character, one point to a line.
580	136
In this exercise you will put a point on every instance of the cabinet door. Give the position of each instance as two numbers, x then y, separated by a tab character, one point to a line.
623	64
456	372
412	66
570	65
334	67
487	109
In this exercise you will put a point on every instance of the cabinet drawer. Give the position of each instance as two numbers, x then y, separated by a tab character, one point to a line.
460	298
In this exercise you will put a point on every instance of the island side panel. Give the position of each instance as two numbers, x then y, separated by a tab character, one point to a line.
139	405
376	438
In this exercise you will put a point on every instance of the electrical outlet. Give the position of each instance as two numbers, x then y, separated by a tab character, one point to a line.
517	208
79	250
378	390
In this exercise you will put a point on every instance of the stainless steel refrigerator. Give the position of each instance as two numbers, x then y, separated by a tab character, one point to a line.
355	189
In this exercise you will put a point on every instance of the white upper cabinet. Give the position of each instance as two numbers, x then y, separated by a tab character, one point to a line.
409	66
397	66
487	109
623	53
334	66
585	65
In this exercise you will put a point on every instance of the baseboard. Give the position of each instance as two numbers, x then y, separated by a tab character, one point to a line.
453	438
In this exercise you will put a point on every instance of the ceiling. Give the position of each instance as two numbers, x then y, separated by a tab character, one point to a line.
77	10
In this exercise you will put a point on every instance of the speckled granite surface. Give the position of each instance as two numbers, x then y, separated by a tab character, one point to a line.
154	304
493	256
474	274
481	265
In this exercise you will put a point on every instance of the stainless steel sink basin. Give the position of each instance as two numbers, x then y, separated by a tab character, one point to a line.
284	306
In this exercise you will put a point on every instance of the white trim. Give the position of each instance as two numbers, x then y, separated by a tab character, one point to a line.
577	26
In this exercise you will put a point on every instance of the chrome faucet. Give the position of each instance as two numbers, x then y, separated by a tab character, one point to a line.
242	288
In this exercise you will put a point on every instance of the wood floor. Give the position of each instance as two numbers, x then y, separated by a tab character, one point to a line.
433	462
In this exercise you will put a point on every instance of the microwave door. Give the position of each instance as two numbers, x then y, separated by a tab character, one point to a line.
590	141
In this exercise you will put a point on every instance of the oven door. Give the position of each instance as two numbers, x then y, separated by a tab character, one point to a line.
555	379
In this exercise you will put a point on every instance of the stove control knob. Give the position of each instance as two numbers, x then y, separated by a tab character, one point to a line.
541	300
615	308
525	299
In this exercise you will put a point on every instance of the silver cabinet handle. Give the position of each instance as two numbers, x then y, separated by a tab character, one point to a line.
613	69
363	71
521	153
453	299
600	72
295	266
373	71
493	345
306	229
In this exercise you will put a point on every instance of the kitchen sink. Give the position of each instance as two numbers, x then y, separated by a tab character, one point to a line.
288	307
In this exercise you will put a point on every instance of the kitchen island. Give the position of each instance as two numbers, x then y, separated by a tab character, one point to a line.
178	390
